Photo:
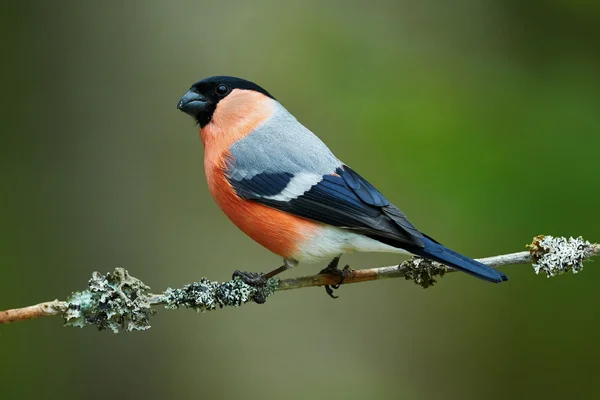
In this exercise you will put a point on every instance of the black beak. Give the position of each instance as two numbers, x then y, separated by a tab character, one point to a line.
192	103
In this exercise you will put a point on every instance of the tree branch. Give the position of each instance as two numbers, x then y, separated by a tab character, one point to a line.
47	309
118	301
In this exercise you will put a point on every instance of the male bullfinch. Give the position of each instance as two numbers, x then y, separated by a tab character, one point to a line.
282	186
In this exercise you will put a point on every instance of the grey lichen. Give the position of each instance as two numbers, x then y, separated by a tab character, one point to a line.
207	295
422	271
557	255
198	296
118	301
113	301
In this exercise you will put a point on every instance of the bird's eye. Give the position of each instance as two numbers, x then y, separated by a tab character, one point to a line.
222	90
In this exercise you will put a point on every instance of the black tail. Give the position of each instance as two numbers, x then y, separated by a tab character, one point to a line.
437	252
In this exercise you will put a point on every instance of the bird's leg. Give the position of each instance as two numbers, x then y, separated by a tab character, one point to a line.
333	269
287	264
259	279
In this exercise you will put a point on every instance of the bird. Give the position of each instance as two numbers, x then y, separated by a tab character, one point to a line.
284	188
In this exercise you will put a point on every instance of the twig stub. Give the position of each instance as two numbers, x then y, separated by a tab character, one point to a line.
47	309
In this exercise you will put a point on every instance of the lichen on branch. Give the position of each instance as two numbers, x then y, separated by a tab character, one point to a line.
118	301
557	255
113	301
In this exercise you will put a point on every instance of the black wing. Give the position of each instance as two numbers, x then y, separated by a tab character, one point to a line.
343	199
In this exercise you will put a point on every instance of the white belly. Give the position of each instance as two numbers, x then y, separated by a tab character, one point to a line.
329	242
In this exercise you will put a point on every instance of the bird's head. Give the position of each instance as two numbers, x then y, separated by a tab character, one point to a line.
203	98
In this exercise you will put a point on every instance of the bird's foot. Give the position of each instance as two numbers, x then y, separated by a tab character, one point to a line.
258	280
333	269
255	279
250	278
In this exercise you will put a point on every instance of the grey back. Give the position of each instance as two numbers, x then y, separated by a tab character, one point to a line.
281	144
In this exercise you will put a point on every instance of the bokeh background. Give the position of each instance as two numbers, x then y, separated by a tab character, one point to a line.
481	120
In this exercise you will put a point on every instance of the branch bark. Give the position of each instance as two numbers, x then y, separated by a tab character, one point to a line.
47	309
118	301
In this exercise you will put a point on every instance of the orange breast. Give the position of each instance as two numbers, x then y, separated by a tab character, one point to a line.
237	116
279	232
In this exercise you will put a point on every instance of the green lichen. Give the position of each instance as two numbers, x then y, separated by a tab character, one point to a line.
422	271
207	295
115	301
118	301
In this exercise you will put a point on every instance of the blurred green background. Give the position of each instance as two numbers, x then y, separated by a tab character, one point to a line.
481	120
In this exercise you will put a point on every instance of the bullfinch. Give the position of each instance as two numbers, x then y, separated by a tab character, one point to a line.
283	187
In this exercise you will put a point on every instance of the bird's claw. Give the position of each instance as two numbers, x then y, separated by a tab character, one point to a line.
333	269
250	278
256	280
